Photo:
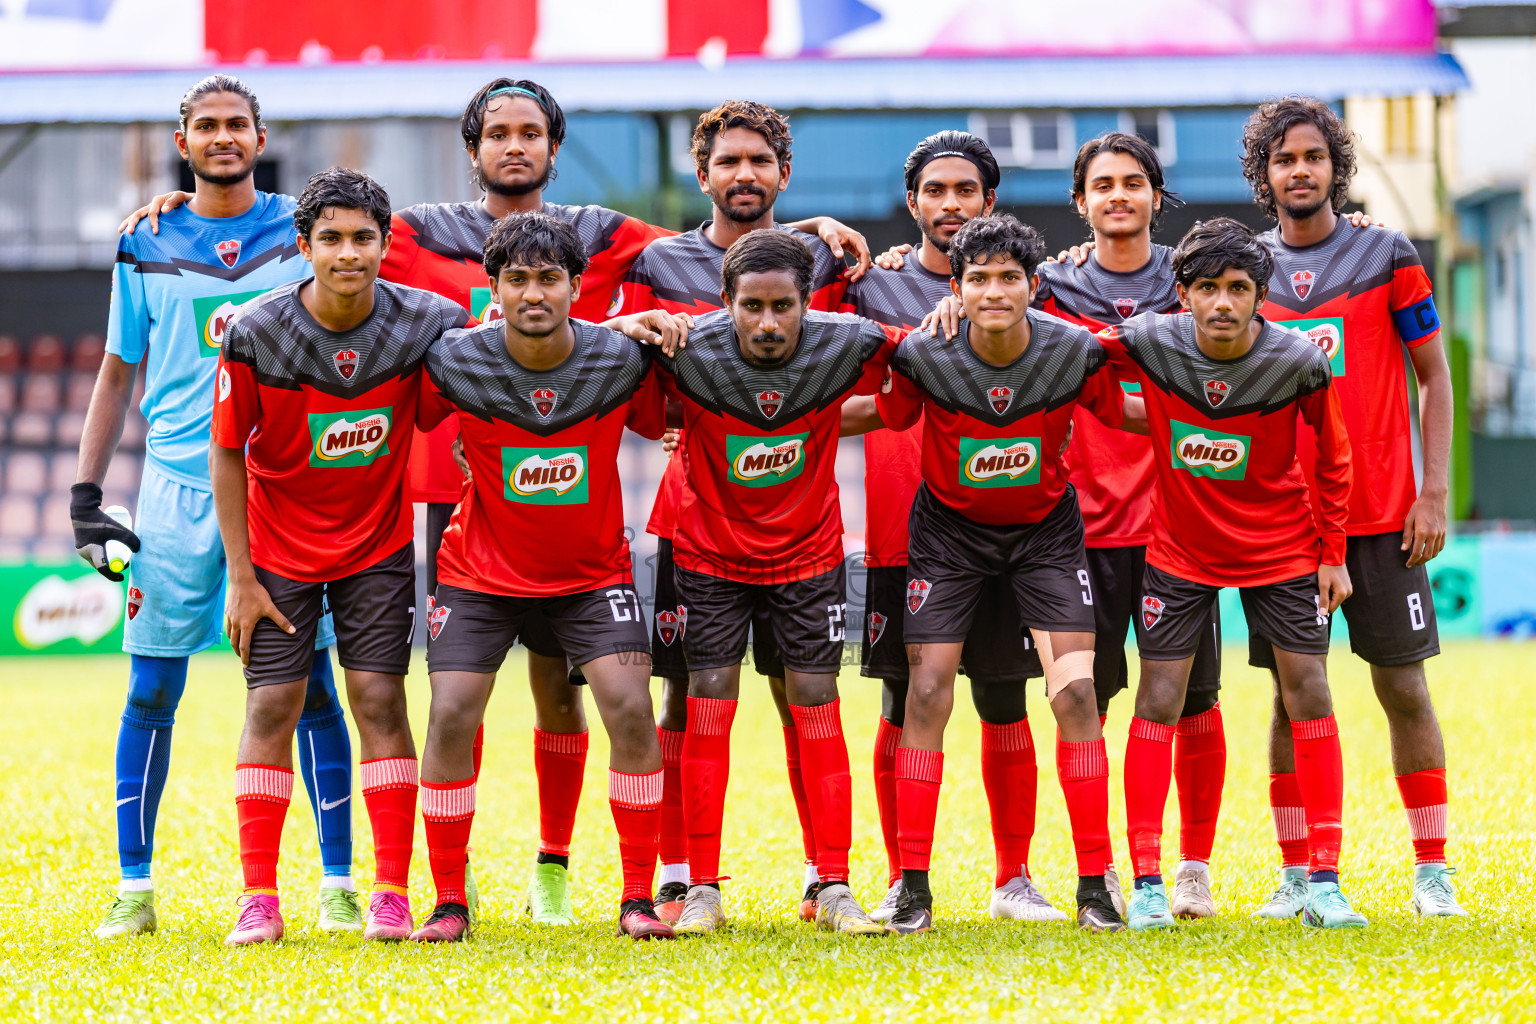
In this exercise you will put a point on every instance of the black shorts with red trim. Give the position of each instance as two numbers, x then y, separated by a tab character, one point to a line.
950	557
1117	591
997	649
469	631
1391	613
374	612
669	624
1174	615
806	620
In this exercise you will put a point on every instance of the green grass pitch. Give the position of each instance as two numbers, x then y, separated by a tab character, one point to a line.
58	861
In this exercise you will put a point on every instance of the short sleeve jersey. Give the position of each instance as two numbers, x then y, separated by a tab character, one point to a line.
172	296
1111	469
893	458
1230	505
991	434
760	502
1361	295
326	419
545	513
682	274
439	247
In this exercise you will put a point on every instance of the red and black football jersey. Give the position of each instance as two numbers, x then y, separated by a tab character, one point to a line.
1361	295
1230	506
681	274
1111	469
544	515
893	459
760	501
326	420
991	434
439	246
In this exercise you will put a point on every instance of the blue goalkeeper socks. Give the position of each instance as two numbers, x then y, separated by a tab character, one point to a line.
155	686
325	762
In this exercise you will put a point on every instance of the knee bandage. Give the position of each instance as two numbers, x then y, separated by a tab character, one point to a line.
1061	669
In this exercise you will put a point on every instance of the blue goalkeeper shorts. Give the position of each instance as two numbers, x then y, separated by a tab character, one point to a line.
177	580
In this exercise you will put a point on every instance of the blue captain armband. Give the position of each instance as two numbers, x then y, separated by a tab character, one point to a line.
1419	320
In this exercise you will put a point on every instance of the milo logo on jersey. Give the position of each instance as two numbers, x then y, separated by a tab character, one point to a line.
483	305
765	461
352	438
213	314
545	476
1328	335
999	461
1206	452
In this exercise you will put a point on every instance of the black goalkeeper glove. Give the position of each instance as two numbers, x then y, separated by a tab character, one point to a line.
93	528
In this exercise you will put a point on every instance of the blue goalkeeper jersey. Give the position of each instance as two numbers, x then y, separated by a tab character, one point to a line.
173	294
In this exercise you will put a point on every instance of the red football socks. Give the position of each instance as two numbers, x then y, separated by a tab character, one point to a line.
1424	798
1320	775
673	842
478	749
448	813
1290	819
828	786
262	793
706	771
1011	778
1200	768
919	775
636	804
389	791
797	789
886	738
559	761
1148	772
1083	769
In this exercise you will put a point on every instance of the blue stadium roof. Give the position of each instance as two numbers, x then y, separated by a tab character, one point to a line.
439	89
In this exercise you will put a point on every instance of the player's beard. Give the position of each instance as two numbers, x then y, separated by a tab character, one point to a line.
234	177
522	188
940	244
1301	211
554	323
760	339
722	203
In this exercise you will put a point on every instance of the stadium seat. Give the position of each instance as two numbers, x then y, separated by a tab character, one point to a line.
10	354
26	473
31	429
55	523
40	392
123	474
7	393
45	354
77	393
18	516
68	428
86	355
61	471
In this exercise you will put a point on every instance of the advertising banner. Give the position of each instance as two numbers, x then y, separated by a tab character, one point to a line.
60	609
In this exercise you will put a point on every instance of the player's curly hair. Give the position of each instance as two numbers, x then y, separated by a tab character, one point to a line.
767	122
1138	149
1214	246
219	83
1001	234
953	143
764	251
533	240
344	189
1267	127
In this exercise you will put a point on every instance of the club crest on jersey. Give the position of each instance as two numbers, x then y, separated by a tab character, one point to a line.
437	618
345	362
1151	610
917	594
670	625
544	400
135	601
1126	308
876	627
769	403
229	252
1000	398
1216	392
1301	283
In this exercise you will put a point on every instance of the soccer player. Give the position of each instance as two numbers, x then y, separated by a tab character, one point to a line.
316	403
996	404
1118	188
1224	391
172	295
759	535
742	153
542	401
1362	295
951	179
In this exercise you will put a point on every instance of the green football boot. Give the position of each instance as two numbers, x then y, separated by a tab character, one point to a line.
549	895
340	910
131	913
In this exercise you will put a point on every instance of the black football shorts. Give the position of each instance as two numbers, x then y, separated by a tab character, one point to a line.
806	619
469	631
1174	615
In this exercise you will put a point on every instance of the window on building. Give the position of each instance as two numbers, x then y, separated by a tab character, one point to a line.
1042	138
1400	127
1156	126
